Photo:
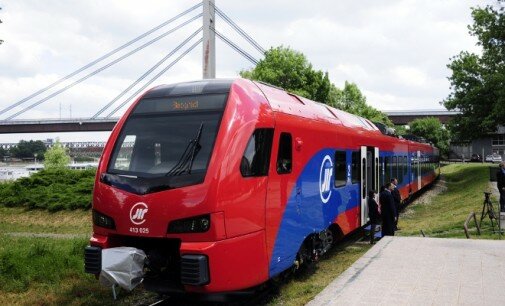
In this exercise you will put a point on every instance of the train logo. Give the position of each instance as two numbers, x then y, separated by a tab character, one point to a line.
138	213
325	175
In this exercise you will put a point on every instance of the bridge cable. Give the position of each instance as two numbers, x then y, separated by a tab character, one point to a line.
146	74
239	30
104	67
155	77
99	59
235	47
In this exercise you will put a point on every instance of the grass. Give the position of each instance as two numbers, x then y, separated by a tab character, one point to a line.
15	219
305	285
44	271
443	216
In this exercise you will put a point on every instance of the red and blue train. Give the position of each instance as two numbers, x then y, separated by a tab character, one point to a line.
226	184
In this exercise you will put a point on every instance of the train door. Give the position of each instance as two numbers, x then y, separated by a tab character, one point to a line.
418	165
369	177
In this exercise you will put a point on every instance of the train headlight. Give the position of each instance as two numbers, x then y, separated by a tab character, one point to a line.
199	224
102	220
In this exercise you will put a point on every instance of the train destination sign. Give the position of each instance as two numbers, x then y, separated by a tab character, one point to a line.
207	102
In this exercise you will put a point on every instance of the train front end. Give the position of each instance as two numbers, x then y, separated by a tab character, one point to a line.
159	189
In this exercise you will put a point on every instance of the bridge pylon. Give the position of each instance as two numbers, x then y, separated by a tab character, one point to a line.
209	40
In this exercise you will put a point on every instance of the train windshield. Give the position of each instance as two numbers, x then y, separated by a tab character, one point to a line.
167	141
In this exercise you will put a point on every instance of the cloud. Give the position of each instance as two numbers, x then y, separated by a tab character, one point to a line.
396	51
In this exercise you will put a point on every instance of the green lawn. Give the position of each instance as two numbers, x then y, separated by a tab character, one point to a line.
47	271
445	214
16	219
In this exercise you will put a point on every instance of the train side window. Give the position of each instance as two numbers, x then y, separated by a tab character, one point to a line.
381	171
395	168
363	192
355	168
256	156
400	169
340	167
285	154
387	164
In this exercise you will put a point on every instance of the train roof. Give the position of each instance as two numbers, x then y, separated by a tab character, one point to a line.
210	86
281	101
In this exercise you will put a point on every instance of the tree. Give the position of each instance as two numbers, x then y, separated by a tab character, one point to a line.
56	157
3	153
432	129
352	100
28	149
478	81
290	69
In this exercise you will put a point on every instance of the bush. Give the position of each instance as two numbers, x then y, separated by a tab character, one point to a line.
53	189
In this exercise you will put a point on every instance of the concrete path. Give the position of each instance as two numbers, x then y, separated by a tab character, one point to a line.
422	271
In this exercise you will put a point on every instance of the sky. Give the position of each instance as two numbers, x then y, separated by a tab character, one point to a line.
396	51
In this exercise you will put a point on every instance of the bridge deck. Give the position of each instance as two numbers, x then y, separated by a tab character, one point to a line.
422	271
57	125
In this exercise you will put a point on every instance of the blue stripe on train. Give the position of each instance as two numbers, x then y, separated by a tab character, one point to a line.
305	211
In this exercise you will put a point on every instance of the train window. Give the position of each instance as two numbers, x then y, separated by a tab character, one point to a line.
394	167
256	156
381	171
340	167
363	192
387	164
406	166
355	167
400	170
161	139
285	154
124	155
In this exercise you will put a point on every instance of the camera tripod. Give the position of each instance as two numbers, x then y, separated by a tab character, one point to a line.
488	210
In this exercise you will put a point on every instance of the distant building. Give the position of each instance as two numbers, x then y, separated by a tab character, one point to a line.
484	146
405	117
492	144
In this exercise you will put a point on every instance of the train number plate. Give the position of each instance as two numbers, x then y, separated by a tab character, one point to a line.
139	230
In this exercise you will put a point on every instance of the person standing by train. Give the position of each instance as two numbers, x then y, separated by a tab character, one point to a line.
388	210
500	181
373	214
398	201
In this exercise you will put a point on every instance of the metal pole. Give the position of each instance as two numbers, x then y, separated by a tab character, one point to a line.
209	41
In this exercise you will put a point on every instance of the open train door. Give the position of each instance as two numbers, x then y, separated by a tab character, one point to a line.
369	178
418	165
364	187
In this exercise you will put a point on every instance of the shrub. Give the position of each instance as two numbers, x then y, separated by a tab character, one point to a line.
52	189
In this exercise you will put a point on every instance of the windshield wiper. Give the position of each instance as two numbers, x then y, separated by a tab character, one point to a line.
185	162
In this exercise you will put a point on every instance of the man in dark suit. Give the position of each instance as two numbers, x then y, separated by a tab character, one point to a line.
388	210
398	201
500	181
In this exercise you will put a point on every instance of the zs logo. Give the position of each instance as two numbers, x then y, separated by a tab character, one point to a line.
325	176
138	212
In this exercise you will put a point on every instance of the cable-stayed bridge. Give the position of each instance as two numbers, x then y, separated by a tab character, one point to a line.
105	118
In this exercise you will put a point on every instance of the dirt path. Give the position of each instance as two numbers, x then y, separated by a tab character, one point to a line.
427	196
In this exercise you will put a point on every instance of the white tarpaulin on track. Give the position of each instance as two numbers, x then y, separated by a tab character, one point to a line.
123	266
